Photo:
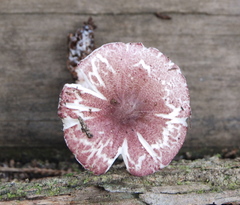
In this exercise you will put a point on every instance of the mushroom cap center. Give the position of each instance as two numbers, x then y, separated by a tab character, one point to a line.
127	111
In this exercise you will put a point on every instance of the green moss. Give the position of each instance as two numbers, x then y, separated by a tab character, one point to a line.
180	183
86	181
21	193
233	186
216	189
200	191
54	191
147	183
69	175
15	195
73	182
218	155
39	190
185	168
11	195
211	172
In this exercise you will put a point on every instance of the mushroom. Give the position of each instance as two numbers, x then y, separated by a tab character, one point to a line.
129	100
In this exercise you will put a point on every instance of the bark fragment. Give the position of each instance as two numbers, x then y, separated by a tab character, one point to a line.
80	44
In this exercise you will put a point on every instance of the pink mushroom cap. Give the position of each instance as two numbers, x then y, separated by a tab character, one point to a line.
131	101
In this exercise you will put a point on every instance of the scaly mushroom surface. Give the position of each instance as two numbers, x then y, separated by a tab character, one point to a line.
129	100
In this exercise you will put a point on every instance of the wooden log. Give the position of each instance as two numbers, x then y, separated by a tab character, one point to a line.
200	182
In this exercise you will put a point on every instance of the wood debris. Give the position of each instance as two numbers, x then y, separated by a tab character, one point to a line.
80	44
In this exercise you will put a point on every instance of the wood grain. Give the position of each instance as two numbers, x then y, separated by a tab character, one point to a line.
229	7
202	37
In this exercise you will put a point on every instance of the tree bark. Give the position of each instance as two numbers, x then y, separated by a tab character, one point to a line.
203	181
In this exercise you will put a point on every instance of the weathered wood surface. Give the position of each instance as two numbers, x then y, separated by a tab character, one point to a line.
95	7
200	182
203	38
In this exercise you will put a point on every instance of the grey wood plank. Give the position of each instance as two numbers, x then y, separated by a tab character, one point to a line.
33	70
95	7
